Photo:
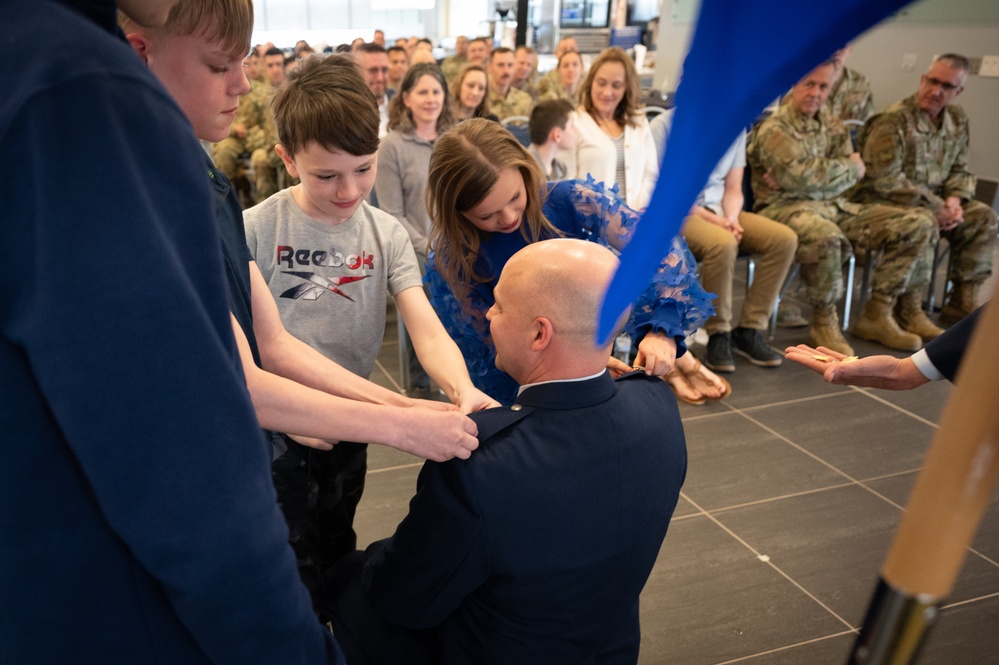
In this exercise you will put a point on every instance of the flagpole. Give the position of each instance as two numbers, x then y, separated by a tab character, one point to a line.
947	504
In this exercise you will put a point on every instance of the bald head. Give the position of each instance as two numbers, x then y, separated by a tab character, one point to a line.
545	318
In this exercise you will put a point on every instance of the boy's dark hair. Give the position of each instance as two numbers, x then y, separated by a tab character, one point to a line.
370	47
546	116
274	50
327	101
395	49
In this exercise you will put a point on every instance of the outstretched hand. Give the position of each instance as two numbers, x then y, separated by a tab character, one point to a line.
885	372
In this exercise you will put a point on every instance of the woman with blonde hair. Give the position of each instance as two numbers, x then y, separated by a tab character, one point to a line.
418	113
567	81
470	94
488	198
614	144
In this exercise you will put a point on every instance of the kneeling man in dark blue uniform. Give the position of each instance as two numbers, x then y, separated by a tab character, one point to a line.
536	549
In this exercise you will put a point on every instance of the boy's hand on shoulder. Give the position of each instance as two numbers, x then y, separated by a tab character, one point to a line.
439	435
472	399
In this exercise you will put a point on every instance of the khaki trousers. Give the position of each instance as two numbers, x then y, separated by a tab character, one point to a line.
715	249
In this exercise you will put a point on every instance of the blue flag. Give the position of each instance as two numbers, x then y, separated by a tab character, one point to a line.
744	54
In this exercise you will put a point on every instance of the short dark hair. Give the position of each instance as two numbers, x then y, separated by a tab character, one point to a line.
546	116
274	50
424	40
502	50
370	47
394	49
327	101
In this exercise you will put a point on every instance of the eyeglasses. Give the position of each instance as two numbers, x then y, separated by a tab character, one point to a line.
948	87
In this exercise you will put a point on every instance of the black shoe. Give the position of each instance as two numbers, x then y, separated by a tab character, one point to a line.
720	353
750	345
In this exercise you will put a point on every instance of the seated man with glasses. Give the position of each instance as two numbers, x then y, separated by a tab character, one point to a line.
916	153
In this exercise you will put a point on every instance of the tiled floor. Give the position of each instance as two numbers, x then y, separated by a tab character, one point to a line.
794	490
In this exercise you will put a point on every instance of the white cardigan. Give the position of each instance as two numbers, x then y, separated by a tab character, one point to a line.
595	155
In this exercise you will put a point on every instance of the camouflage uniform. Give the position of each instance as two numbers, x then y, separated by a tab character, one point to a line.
912	163
809	159
260	142
556	91
851	98
548	81
515	103
451	65
226	152
530	87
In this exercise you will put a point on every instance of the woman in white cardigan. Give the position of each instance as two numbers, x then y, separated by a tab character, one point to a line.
614	144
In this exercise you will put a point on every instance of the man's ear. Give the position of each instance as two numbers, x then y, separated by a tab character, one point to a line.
543	333
555	135
140	44
289	161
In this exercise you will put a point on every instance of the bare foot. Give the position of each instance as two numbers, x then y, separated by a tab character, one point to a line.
702	379
682	388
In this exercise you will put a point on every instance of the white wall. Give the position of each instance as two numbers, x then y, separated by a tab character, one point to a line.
878	54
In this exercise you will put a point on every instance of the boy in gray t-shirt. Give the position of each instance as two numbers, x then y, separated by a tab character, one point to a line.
331	261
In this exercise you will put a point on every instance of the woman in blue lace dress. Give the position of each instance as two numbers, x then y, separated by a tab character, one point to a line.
487	198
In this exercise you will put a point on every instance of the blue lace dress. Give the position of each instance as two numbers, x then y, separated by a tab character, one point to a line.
674	302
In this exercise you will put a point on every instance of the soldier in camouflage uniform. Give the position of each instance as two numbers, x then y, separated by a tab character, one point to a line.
550	79
452	64
917	151
261	139
251	113
525	71
850	97
802	164
505	100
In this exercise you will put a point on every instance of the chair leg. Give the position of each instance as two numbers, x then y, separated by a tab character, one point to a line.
791	274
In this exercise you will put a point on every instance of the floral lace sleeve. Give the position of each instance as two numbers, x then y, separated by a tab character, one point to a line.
469	329
674	303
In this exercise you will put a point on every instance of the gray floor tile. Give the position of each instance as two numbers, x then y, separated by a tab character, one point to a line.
710	600
732	461
825	651
964	634
927	401
986	541
384	504
856	434
834	543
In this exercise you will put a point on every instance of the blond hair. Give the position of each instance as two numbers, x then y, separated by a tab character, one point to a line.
225	22
627	111
480	111
464	167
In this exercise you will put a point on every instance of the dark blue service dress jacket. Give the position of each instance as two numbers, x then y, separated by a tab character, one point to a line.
535	550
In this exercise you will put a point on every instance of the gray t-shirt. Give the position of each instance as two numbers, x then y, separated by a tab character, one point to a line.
734	158
331	283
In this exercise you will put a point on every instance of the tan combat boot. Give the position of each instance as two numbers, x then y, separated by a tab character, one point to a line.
877	324
910	316
961	302
825	330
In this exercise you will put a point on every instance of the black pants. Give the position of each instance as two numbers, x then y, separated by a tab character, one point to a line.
366	638
318	491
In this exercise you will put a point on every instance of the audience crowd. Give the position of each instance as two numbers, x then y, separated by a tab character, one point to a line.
488	200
